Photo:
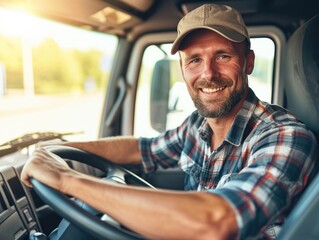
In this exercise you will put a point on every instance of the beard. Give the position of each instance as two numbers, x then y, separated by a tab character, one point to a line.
220	107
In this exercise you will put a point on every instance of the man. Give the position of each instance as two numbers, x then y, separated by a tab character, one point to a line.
248	160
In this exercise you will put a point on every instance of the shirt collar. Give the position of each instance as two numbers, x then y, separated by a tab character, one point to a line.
237	129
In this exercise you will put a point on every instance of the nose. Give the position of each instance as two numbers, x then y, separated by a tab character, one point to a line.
210	70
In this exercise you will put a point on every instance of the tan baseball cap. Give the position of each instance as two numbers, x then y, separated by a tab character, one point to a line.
221	19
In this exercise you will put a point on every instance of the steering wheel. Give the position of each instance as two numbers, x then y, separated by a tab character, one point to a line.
72	212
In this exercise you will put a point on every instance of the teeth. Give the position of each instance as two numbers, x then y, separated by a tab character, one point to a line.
212	90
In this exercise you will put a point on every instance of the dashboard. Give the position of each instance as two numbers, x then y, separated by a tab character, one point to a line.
17	211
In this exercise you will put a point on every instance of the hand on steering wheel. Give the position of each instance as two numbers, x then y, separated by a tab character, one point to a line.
69	210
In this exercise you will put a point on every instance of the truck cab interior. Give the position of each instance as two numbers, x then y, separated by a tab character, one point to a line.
141	93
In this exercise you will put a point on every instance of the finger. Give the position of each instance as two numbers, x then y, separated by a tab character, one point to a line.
25	176
33	163
56	157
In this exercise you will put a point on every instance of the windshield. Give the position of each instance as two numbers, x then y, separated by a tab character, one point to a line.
52	77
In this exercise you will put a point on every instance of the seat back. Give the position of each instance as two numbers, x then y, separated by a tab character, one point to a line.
302	92
302	73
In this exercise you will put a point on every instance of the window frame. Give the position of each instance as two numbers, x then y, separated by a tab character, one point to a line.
135	61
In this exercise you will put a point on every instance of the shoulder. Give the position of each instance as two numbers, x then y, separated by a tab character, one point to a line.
274	118
288	140
276	126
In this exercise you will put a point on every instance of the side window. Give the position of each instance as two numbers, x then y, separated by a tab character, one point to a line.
163	101
261	79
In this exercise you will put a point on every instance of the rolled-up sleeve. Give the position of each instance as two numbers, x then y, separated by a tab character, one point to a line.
165	150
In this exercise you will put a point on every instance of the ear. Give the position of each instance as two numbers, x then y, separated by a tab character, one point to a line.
250	62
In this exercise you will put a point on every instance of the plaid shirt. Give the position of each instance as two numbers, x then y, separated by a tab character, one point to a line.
261	168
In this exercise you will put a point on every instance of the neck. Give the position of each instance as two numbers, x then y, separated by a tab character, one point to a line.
221	125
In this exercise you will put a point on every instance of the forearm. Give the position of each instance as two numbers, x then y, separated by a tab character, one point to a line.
158	214
121	150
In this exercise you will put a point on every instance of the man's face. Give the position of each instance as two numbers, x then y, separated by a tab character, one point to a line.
215	71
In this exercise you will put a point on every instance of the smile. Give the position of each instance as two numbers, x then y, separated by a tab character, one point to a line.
212	90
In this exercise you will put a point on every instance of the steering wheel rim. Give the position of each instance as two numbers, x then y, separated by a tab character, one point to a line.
69	210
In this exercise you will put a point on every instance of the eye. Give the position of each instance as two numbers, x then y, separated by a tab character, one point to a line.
195	60
223	57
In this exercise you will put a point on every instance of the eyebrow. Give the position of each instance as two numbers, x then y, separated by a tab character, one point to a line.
227	51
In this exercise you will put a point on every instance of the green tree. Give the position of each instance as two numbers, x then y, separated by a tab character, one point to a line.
60	70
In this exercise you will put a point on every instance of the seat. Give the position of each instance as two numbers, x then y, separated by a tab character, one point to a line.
302	73
302	96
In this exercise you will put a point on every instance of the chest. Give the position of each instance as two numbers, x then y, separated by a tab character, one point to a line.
208	169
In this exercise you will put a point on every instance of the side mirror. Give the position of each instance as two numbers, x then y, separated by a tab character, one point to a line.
160	86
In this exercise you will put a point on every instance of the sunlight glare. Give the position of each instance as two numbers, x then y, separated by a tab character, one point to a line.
16	23
35	29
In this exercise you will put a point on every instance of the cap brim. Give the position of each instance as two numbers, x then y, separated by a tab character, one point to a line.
226	33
